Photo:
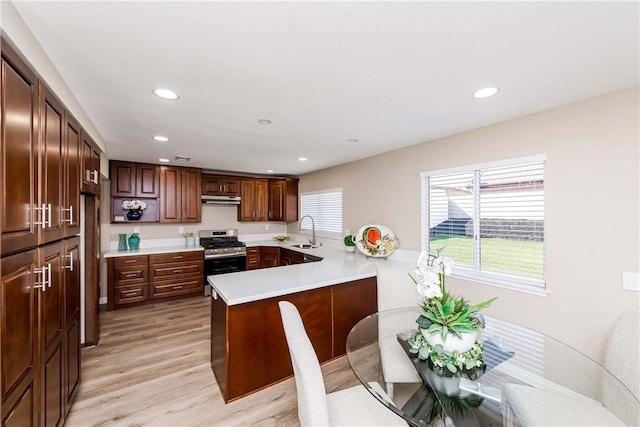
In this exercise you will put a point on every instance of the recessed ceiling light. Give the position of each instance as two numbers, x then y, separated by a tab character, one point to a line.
352	140
269	170
265	122
485	92
161	138
163	160
165	93
302	159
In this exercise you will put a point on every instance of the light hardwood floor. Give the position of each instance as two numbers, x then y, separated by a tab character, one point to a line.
151	368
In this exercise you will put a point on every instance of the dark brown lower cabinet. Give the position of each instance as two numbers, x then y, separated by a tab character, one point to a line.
248	348
18	339
40	334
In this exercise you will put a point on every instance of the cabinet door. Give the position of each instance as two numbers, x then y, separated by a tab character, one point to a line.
123	178
72	319
147	180
246	210
261	201
231	187
276	200
170	194
50	333
191	195
52	165
212	185
18	338
90	170
72	154
19	151
95	164
269	257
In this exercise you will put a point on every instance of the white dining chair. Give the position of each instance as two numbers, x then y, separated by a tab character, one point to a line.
353	406
553	405
395	290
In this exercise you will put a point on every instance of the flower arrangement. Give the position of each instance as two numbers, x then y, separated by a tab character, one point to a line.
133	205
442	315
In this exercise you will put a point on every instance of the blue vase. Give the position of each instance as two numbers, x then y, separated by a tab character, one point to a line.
134	215
134	241
122	243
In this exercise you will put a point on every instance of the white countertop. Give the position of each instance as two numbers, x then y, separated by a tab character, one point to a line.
337	266
151	251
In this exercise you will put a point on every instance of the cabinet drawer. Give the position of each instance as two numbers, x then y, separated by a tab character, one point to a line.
130	294
170	288
253	261
255	250
128	261
176	269
176	257
130	275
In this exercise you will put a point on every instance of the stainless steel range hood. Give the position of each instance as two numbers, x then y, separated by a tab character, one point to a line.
221	200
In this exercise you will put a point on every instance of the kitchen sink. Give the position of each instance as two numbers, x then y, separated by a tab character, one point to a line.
304	246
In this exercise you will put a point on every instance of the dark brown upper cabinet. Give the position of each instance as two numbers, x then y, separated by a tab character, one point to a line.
129	179
180	194
283	200
90	165
219	185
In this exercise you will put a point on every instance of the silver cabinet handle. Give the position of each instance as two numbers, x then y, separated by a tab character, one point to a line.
177	257
130	260
70	266
129	294
131	275
43	216
94	176
70	210
43	284
49	274
177	287
177	271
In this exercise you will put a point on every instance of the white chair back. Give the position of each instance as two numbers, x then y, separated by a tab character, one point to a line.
622	359
396	289
312	396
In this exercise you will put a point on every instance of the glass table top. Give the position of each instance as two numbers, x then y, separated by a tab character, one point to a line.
529	379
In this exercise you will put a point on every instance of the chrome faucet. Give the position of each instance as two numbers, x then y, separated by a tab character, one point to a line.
313	229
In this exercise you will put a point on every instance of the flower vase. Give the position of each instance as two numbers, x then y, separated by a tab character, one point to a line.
134	215
134	241
350	249
122	242
451	342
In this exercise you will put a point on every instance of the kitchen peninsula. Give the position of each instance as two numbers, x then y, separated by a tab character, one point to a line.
248	347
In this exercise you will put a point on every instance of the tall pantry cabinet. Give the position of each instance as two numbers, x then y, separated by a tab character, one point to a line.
40	179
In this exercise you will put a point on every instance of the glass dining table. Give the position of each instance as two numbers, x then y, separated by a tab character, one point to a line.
528	379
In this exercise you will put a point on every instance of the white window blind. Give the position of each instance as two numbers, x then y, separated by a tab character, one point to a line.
325	207
489	219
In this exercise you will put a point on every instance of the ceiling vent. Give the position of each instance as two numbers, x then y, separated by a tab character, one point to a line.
183	158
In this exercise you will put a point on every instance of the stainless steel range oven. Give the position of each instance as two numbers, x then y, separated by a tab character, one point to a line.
223	253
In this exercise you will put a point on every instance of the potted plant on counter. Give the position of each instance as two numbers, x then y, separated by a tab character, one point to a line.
350	245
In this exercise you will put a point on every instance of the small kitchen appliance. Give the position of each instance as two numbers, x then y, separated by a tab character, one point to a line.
223	253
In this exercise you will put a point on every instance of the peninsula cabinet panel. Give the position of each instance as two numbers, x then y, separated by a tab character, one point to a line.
352	302
257	354
19	152
269	256
72	176
52	167
18	339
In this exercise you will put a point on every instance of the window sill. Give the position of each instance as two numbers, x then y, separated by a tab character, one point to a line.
530	286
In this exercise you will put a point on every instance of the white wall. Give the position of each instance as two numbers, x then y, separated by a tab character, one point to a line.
592	219
19	35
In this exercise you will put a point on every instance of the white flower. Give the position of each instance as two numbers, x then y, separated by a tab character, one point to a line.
133	205
443	265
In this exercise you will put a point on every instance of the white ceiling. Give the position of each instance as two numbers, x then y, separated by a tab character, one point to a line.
391	74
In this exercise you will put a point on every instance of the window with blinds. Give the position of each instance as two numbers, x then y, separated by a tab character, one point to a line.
489	219
325	207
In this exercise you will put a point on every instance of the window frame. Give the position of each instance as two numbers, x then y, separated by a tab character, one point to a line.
509	281
322	233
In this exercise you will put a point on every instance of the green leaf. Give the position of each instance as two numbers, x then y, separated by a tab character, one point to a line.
451	367
424	322
423	353
482	305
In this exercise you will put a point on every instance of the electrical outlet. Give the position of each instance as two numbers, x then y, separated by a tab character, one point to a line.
631	281
266	227
181	229
136	229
